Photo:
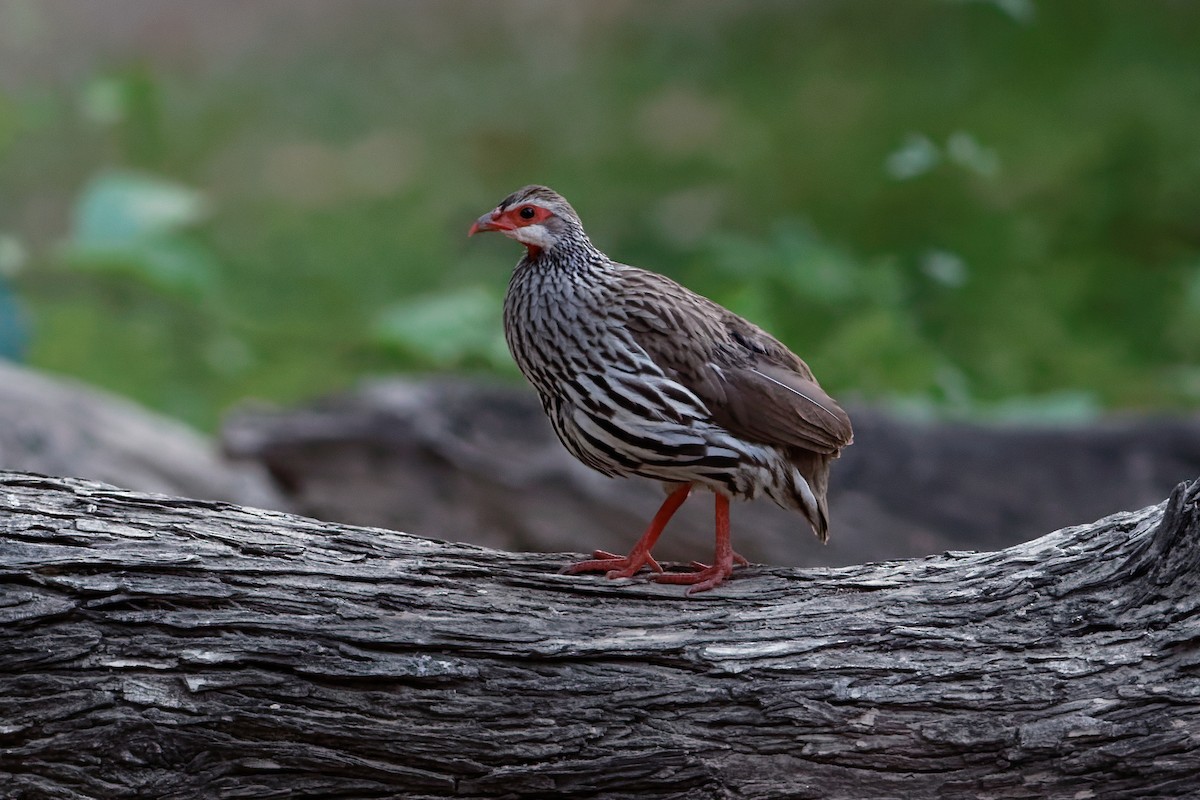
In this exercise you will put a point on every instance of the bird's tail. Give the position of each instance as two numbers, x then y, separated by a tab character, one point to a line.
811	484
820	520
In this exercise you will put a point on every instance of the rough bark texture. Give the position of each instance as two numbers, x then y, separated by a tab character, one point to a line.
472	460
153	647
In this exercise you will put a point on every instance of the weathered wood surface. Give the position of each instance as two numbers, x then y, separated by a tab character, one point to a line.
153	647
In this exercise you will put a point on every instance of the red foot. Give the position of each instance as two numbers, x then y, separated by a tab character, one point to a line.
701	581
612	565
706	577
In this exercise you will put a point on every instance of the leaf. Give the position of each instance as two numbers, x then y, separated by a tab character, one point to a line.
132	225
944	267
447	329
795	256
814	268
915	156
169	264
118	209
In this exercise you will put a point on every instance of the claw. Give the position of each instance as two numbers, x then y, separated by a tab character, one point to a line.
612	566
704	576
708	577
699	581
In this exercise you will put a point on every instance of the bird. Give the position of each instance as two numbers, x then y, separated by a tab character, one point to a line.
642	377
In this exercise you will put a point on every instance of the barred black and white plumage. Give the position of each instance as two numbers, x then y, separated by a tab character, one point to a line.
643	377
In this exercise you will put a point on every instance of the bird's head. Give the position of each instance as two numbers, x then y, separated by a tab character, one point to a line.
537	217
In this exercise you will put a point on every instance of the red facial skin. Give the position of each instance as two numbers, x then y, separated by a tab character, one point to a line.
510	220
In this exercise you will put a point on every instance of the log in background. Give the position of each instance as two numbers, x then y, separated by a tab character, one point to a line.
478	461
154	647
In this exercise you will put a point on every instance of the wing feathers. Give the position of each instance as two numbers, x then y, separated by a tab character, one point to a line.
837	418
751	383
766	404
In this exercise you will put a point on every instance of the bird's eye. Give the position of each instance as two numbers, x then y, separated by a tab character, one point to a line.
526	212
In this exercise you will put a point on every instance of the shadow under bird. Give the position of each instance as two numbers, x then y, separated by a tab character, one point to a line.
641	376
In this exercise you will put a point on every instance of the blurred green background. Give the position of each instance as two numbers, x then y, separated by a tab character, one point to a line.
986	209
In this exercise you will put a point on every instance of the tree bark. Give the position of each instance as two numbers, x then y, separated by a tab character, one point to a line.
155	647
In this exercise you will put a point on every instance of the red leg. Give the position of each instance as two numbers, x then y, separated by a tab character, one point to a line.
738	559
639	556
708	577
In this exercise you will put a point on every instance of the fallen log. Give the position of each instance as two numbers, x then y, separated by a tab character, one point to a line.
156	647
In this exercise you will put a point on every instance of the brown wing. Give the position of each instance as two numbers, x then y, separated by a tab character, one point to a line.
754	387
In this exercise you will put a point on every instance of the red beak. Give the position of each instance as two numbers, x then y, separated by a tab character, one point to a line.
491	221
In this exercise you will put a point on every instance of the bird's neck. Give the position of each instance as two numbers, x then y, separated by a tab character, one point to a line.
573	255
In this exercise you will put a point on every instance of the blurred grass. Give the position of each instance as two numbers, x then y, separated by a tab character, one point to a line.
956	207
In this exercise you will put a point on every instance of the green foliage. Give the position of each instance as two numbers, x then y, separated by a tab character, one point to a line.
986	209
133	226
455	328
